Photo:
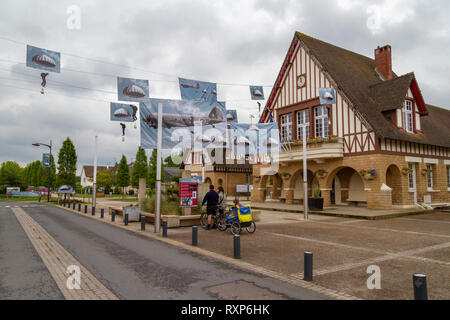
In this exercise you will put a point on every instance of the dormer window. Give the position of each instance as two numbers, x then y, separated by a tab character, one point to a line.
407	116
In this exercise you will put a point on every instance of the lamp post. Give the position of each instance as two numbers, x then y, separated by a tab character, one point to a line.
38	144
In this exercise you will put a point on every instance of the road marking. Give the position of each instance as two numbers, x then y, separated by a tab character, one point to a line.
424	220
57	260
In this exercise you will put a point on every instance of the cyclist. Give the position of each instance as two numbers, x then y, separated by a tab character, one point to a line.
211	199
222	201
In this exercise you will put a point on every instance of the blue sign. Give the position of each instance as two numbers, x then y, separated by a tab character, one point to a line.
185	124
232	116
257	92
25	194
327	96
43	59
123	112
46	160
198	90
132	90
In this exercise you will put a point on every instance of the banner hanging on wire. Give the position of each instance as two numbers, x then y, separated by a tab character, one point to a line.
132	90
257	92
43	59
123	112
185	124
198	90
327	96
232	116
255	139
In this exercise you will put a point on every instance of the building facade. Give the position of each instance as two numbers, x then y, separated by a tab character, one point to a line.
379	145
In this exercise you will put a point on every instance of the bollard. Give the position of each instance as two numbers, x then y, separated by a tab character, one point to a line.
164	229
93	211
113	215
237	246
420	286
142	223
125	219
308	272
74	205
194	235
102	213
85	208
79	207
64	203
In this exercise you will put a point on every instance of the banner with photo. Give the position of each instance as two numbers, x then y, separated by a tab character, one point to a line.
232	116
327	96
132	90
185	124
257	92
46	159
255	139
123	112
198	90
43	59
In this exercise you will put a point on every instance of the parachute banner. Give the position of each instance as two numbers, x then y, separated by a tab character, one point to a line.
198	90
254	139
257	92
185	124
123	112
43	59
232	116
327	96
132	90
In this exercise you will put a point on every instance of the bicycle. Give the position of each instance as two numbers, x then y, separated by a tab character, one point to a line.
215	219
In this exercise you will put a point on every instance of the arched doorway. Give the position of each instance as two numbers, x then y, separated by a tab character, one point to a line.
297	184
347	186
393	181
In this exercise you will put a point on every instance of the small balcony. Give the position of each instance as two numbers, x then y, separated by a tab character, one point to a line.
317	149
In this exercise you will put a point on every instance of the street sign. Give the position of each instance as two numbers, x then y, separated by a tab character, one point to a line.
46	159
188	193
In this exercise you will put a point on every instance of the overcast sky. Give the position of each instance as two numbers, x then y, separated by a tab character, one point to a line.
228	42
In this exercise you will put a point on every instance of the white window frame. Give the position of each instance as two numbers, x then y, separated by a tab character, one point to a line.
286	127
321	121
430	177
412	177
302	120
407	116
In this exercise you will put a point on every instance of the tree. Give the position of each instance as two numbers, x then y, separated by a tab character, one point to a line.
67	164
10	174
105	179
123	174
173	161
140	168
152	170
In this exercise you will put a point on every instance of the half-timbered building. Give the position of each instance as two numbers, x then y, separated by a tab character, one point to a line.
380	145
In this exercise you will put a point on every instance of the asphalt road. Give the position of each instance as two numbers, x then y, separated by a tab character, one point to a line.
130	265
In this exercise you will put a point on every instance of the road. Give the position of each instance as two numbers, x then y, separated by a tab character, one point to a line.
121	262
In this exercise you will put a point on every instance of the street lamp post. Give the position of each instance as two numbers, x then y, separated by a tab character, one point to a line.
38	144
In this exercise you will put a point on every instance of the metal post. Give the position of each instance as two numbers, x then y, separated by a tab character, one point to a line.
79	207
94	186
85	208
194	235
113	215
158	170
49	173
73	207
305	177
308	269
93	210
420	287
164	231
102	213
142	223
237	246
125	219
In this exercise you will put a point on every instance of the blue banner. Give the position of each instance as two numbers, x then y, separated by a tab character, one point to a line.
132	90
123	112
43	59
186	124
65	189
232	116
257	92
255	139
46	159
327	96
198	90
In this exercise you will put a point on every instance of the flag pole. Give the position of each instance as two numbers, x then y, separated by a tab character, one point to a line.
305	177
158	170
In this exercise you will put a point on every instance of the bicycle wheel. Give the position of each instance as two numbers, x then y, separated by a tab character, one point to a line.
251	228
204	220
236	228
221	223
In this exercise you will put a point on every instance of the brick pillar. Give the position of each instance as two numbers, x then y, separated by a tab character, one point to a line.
326	192
289	192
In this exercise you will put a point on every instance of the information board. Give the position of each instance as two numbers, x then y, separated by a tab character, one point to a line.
188	193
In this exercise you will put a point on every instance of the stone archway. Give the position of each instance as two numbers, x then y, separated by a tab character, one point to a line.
351	187
296	185
394	181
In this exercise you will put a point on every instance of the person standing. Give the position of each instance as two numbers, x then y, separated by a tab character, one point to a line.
211	199
222	203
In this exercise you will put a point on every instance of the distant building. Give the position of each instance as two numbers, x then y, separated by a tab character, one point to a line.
87	174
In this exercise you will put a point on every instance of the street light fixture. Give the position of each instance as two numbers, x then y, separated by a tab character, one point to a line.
38	144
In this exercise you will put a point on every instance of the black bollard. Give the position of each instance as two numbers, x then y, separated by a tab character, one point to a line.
194	235
164	229
93	211
125	219
73	205
237	246
420	287
85	208
64	203
142	223
113	215
102	213
308	272
79	207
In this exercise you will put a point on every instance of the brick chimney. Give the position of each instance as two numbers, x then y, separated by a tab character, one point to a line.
383	61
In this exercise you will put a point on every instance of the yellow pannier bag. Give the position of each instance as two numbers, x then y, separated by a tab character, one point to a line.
245	213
